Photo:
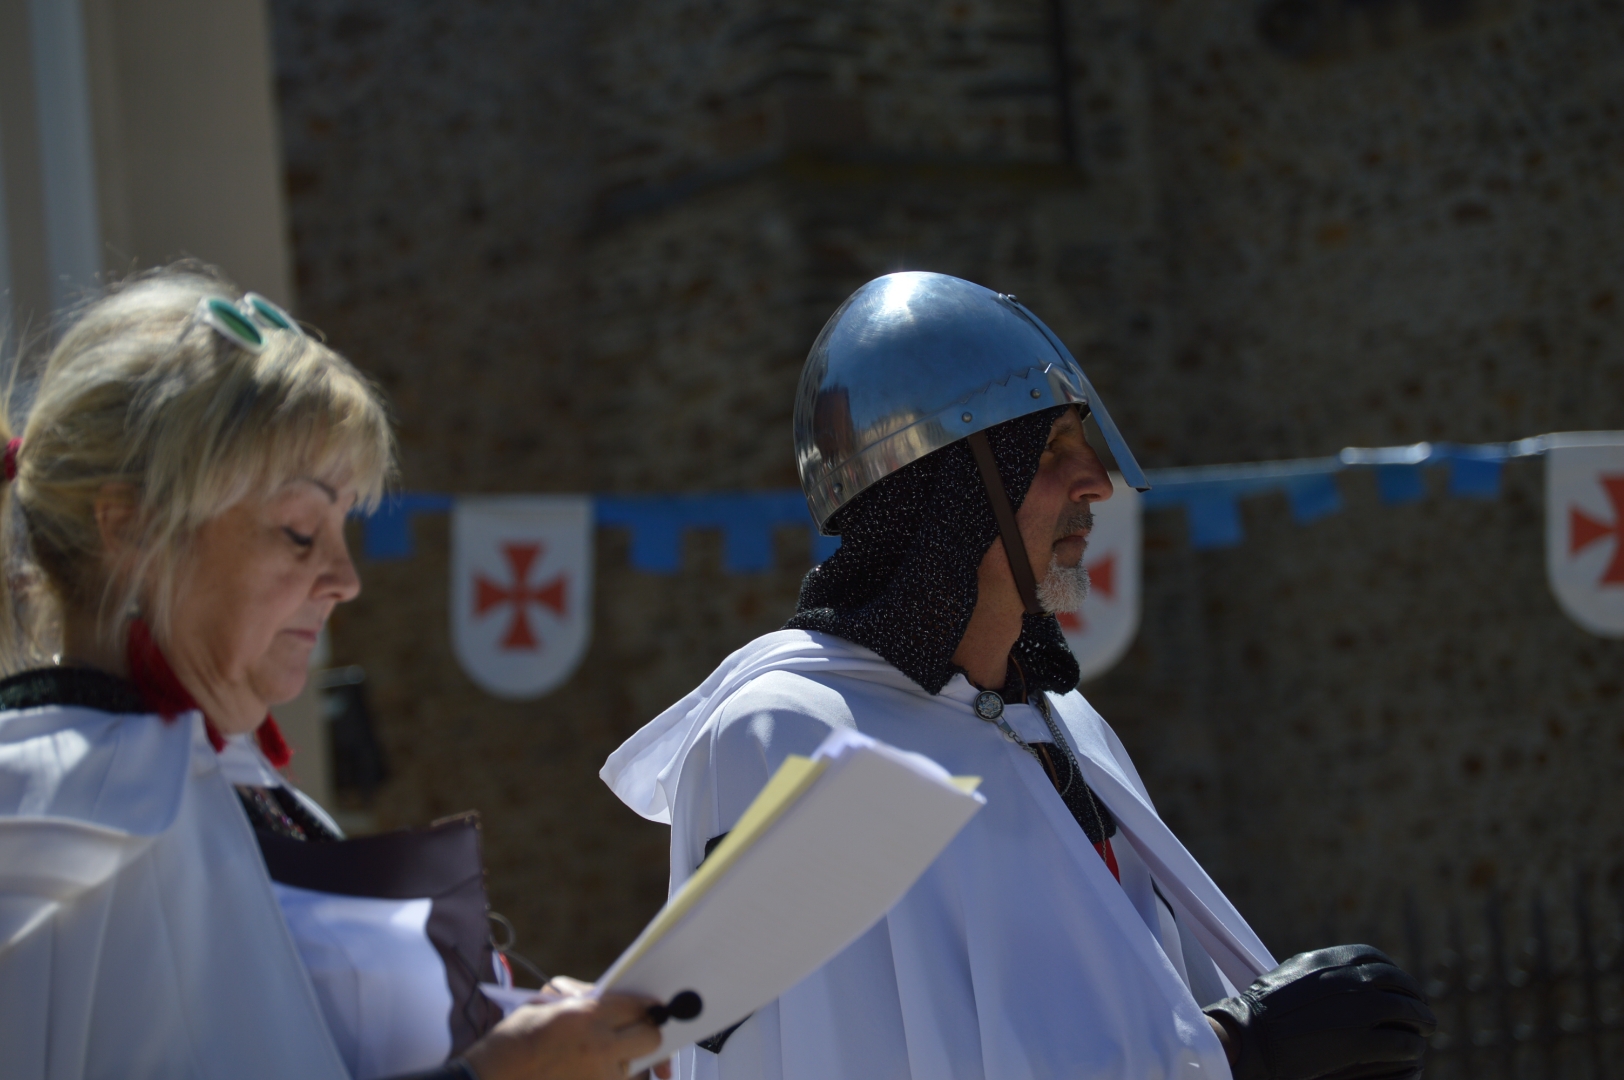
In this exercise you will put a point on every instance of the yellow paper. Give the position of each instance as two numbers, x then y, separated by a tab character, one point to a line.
791	780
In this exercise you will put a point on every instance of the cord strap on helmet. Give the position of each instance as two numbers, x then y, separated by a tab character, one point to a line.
1020	567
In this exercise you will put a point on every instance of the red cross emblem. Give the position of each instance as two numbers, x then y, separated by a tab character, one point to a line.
1584	530
1102	580
490	594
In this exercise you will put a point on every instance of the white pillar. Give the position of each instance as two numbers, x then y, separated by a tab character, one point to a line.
67	158
6	316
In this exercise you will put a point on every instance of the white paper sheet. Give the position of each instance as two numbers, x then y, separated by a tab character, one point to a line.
835	855
381	983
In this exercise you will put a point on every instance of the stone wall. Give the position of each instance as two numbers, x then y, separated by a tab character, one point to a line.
1412	236
585	246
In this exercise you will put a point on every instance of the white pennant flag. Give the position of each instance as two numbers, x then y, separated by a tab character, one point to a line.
521	590
1584	528
1102	629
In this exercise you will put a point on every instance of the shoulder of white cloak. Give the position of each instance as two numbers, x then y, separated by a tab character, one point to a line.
775	675
784	712
124	772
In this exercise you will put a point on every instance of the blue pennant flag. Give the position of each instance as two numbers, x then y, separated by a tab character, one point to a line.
1400	484
1313	497
388	532
1475	477
1215	520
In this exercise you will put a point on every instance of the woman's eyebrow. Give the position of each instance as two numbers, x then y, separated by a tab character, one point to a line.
330	492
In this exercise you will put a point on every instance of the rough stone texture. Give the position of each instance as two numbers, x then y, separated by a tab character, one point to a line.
585	247
1413	238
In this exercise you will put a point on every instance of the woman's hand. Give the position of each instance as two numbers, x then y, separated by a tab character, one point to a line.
568	1038
560	987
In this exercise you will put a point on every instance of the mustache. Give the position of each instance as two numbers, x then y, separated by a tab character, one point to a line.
1078	521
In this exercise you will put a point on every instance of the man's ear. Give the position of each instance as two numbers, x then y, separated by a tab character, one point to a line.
116	509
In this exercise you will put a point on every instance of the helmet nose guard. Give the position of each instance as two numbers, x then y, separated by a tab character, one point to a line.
915	361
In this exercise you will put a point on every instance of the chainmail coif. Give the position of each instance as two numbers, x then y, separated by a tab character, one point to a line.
903	582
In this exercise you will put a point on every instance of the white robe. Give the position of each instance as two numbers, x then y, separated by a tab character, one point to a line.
1017	956
139	935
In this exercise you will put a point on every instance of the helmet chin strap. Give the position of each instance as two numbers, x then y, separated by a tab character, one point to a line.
1020	567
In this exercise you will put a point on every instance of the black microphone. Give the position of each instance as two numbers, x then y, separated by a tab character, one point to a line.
683	1006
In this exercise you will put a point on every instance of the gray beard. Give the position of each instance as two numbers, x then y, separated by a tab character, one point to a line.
1063	588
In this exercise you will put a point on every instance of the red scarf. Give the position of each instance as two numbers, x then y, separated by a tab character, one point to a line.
1109	855
164	695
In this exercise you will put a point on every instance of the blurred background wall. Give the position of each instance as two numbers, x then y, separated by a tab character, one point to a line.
585	247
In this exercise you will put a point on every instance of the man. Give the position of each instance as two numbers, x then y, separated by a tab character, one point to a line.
1065	932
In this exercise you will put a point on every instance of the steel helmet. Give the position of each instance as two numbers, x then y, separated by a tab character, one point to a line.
914	361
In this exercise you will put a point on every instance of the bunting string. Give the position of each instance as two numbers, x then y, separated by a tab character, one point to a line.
1209	494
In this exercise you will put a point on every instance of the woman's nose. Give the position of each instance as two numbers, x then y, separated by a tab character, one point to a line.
341	582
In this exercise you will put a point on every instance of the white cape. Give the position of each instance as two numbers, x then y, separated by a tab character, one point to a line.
139	936
1017	956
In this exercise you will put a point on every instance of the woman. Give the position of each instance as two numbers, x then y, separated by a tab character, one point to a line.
175	507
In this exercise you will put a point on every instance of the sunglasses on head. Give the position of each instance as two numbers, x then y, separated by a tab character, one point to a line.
245	323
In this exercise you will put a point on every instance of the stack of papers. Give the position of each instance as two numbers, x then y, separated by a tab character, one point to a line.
824	851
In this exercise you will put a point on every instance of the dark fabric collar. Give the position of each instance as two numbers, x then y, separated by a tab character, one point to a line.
903	581
86	688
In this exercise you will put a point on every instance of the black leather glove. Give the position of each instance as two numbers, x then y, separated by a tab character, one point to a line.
1343	1013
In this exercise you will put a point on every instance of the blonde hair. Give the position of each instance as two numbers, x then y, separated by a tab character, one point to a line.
140	393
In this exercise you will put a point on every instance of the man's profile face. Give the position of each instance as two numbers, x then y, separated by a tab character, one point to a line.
1054	519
